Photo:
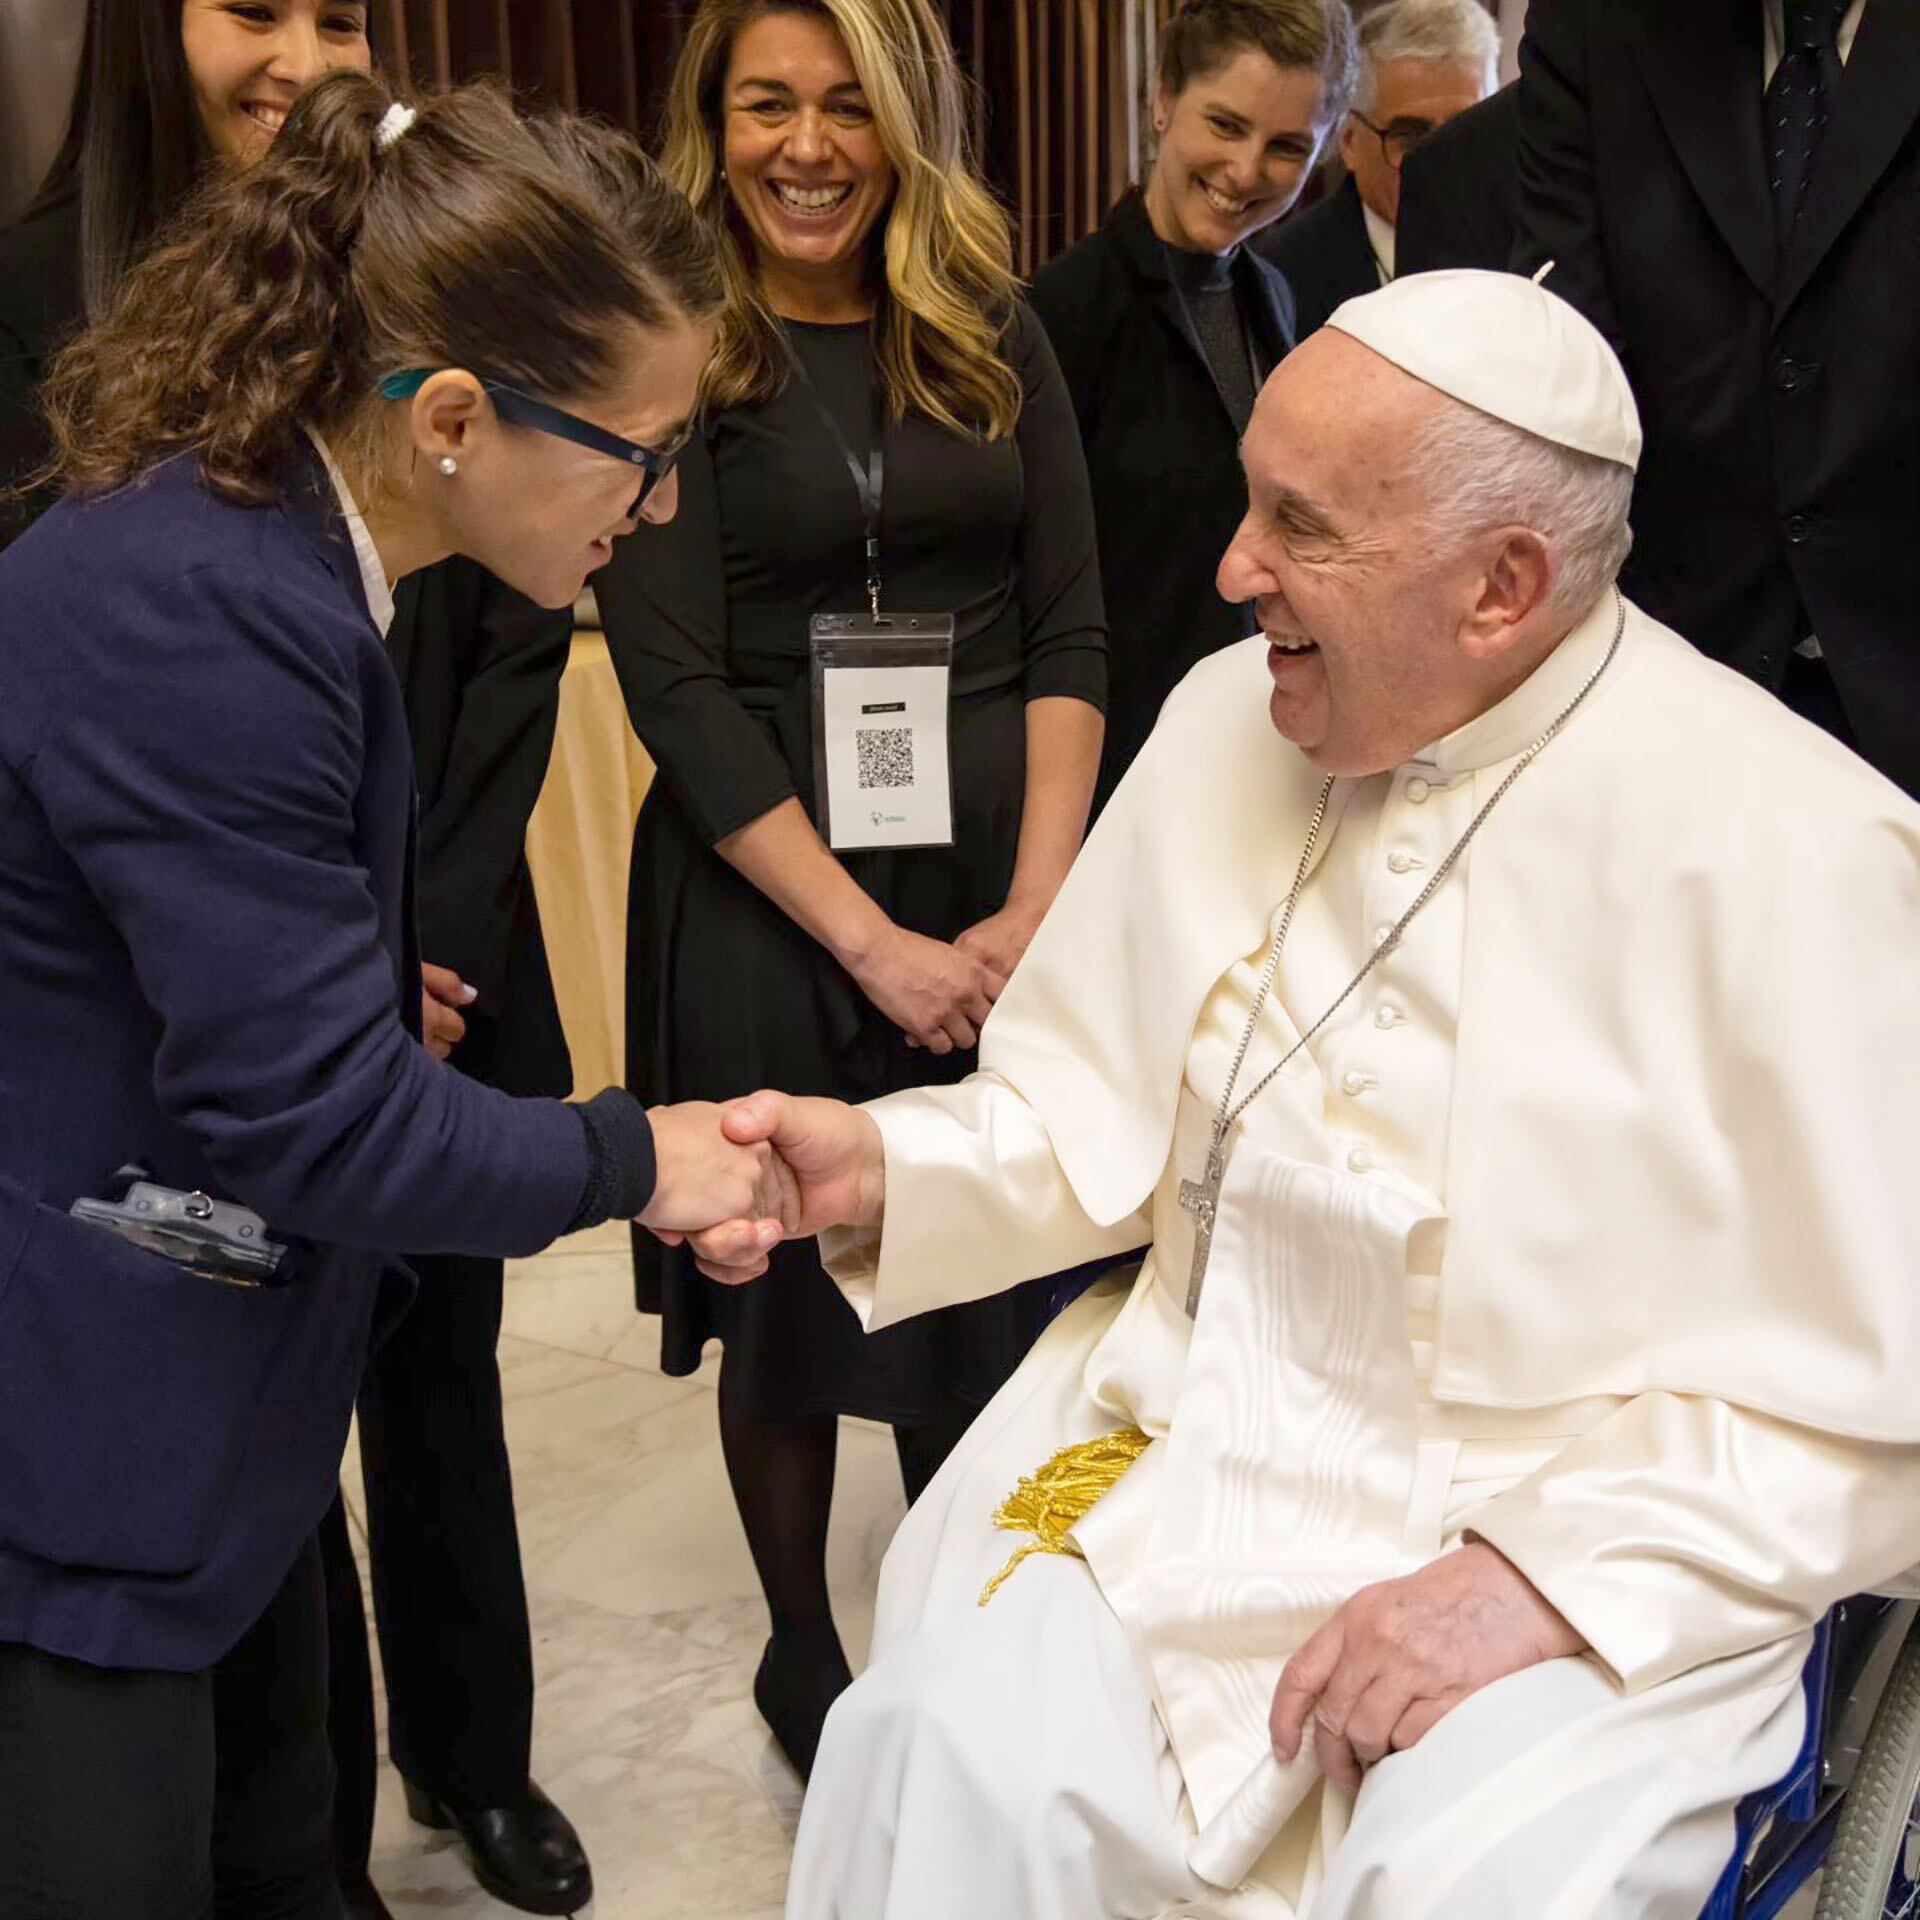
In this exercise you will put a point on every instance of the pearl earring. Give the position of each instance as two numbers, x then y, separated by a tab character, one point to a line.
449	465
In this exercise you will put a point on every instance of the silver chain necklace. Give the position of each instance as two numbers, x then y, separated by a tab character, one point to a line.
1201	1198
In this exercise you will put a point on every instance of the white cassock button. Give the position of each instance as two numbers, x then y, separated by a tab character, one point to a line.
1354	1083
1360	1160
1398	862
1381	935
1417	790
1388	1017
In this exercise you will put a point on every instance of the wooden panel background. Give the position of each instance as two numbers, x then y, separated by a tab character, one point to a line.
1059	85
1055	82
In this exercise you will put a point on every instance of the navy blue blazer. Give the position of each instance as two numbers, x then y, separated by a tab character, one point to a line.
207	965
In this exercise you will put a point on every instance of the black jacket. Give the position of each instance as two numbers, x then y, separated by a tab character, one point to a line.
1780	491
1325	254
480	666
1162	453
1459	192
40	304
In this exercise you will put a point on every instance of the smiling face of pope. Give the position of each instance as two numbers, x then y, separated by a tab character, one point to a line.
1388	628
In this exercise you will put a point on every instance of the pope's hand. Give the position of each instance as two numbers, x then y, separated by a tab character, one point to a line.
700	1176
827	1169
1400	1656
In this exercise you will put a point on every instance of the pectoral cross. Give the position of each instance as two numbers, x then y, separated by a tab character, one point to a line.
1201	1198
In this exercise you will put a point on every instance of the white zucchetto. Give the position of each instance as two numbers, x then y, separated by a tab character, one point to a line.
1504	345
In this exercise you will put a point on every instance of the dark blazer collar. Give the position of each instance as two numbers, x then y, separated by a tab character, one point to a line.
1703	63
1350	216
1267	301
1879	102
1263	291
311	507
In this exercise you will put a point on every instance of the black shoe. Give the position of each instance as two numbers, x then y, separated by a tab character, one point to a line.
363	1903
794	1689
525	1853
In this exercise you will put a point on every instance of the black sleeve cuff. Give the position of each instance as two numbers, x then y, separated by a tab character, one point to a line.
1071	673
620	1164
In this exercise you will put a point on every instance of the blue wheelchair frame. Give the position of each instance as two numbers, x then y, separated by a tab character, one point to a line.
1783	1834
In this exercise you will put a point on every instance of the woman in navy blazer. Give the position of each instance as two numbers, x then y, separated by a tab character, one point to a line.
398	336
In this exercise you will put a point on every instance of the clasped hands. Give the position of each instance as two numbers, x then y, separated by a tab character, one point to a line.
734	1181
939	995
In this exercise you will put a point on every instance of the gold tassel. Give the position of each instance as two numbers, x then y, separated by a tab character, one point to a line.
1051	1503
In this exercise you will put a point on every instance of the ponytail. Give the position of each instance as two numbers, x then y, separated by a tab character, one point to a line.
284	294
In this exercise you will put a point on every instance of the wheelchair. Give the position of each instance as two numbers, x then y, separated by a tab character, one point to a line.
1849	1808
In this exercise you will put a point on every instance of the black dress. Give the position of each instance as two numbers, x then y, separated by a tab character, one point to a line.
1163	449
706	620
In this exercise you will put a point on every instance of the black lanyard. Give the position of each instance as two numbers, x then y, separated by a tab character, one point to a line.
870	480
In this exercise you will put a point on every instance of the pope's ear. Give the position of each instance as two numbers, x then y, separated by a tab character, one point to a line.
1513	588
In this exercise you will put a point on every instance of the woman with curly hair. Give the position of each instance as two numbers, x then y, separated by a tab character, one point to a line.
883	408
399	334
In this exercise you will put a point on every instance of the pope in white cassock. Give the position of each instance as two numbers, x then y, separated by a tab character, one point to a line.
1496	1025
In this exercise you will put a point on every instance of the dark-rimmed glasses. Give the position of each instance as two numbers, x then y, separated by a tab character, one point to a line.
1398	138
525	411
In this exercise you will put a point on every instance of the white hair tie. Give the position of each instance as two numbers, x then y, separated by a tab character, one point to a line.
393	123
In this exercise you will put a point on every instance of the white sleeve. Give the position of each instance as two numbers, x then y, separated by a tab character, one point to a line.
1683	1529
976	1203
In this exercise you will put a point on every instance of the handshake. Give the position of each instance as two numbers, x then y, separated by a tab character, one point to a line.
734	1181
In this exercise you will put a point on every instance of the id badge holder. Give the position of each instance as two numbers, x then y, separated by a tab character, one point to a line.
883	773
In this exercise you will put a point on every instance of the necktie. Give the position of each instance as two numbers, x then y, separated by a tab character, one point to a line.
1800	96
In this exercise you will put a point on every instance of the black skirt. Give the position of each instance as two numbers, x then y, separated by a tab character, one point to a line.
726	995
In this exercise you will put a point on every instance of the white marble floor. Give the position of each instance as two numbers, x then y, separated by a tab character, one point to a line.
647	1619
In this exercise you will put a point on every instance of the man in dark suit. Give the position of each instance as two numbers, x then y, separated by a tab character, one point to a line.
1459	192
1731	191
1422	62
480	666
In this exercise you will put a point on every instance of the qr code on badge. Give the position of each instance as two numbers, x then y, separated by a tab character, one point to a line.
886	757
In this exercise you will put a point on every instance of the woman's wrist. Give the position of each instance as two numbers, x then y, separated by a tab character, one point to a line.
1031	898
856	945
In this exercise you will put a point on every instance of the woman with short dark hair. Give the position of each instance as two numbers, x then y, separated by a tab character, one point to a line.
1167	323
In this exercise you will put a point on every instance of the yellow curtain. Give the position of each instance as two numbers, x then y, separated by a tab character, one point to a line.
578	847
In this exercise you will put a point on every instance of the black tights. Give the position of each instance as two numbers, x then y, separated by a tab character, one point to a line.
782	1475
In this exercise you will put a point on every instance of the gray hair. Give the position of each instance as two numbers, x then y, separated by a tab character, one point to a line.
1481	473
1438	31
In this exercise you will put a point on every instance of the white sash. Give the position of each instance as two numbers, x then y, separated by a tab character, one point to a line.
1291	1477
